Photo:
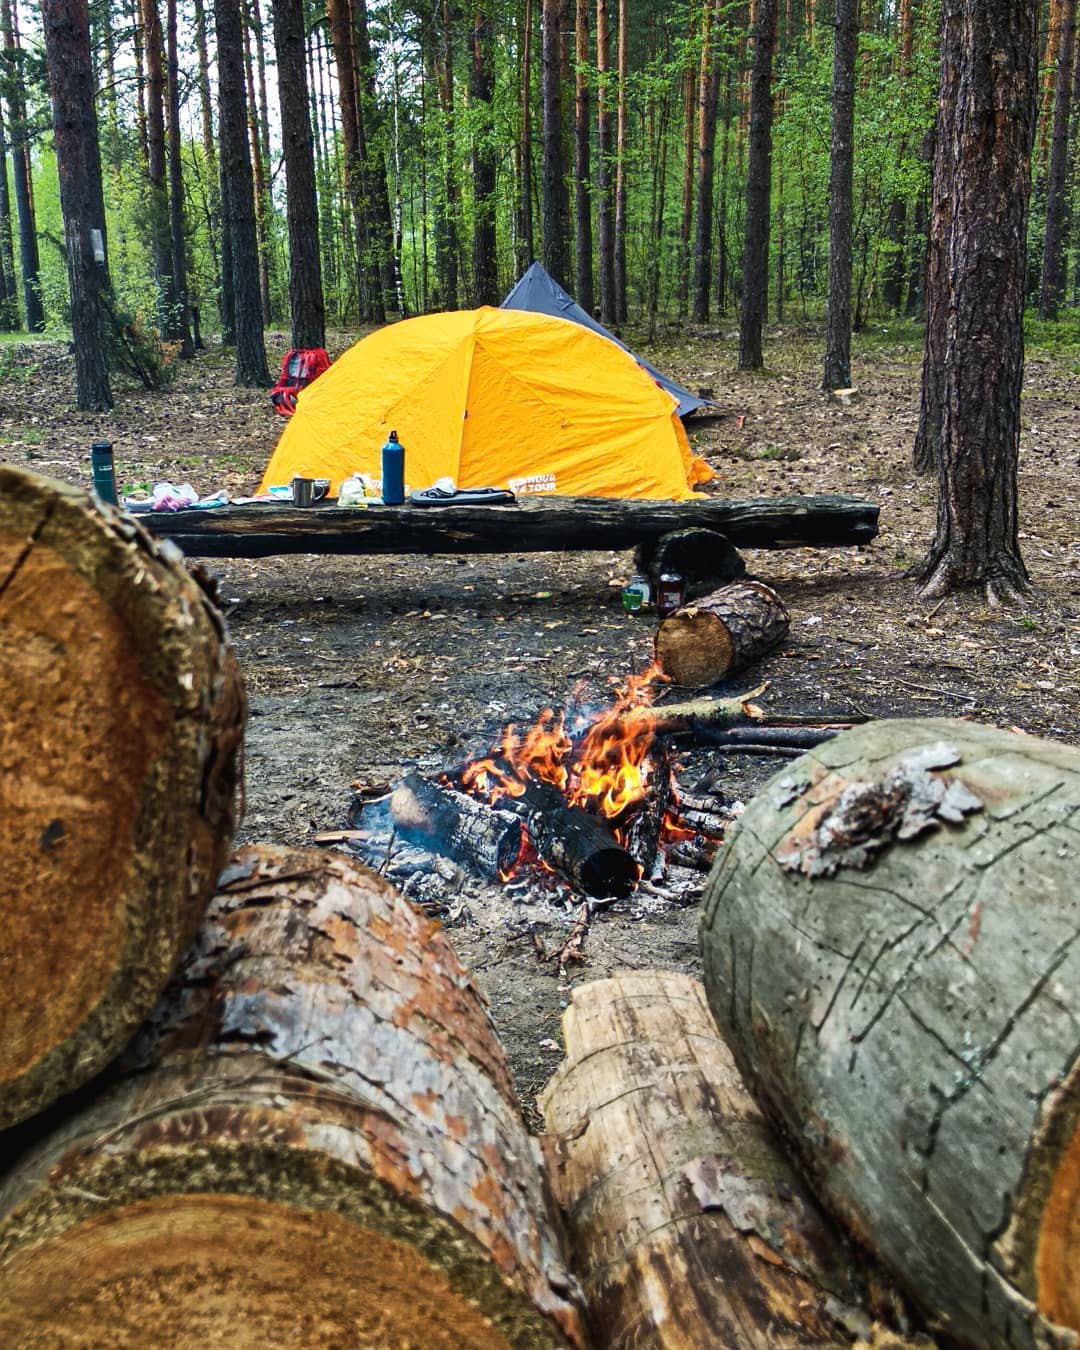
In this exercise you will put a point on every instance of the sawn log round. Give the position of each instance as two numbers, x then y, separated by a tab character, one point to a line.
121	723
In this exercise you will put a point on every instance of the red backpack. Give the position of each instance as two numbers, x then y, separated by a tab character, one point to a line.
298	368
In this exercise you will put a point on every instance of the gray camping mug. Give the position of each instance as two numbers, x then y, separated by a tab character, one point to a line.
308	491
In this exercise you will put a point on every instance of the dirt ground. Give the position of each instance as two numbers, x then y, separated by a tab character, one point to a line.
364	668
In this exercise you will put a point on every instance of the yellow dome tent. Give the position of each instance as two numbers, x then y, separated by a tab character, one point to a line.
492	398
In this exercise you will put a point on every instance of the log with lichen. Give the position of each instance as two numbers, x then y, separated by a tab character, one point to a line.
121	723
892	947
315	1141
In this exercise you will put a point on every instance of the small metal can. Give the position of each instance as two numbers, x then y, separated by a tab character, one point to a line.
670	594
635	595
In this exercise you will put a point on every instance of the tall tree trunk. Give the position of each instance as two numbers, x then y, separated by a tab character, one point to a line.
341	35
20	170
376	190
605	202
71	86
620	169
1052	288
526	240
307	313
9	302
722	249
686	215
209	172
841	162
892	286
258	166
157	191
481	91
583	250
759	169
177	243
708	98
986	130
238	197
555	250
447	254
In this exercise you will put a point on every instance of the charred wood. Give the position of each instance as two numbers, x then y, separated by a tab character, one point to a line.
457	825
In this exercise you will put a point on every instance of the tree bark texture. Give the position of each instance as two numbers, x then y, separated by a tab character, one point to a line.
621	149
1052	286
157	195
66	26
177	244
688	1226
314	1141
720	634
120	734
554	226
758	178
605	197
20	169
841	167
978	311
526	247
583	251
532	524
457	825
481	92
307	313
892	948
238	202
708	102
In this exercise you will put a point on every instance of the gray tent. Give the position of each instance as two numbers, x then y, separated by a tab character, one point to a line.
541	294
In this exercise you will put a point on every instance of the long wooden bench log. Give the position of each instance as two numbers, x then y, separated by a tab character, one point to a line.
530	525
892	948
121	723
316	1143
688	1226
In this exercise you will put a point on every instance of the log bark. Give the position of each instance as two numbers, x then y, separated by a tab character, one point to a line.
703	643
704	559
315	1142
892	948
457	825
573	843
688	1227
532	524
121	723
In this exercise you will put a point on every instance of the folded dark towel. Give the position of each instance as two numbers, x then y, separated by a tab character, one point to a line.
483	496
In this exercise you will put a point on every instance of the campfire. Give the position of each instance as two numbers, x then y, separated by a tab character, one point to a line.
587	799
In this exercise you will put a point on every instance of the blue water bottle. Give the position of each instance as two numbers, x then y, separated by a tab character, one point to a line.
103	470
393	471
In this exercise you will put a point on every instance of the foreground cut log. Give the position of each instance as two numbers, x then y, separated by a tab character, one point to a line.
532	524
457	825
688	1227
320	1146
703	643
892	947
121	720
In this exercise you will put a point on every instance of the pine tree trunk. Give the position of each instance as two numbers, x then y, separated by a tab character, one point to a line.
555	260
9	304
481	92
892	950
120	737
526	240
688	1226
315	1141
1052	288
841	165
307	313
176	190
258	167
71	84
157	192
759	170
377	193
621	313
708	99
978	308
448	269
583	251
686	212
238	204
605	205
20	165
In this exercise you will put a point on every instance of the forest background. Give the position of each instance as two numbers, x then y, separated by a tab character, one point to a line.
447	147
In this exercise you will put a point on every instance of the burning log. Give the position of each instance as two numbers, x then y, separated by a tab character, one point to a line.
457	825
688	1225
647	825
572	842
121	723
315	1142
914	1025
703	643
698	853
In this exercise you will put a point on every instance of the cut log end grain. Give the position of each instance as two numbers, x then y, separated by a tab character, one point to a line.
313	1141
121	720
703	643
914	1024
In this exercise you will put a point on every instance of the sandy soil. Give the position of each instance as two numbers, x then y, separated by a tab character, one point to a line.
364	668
